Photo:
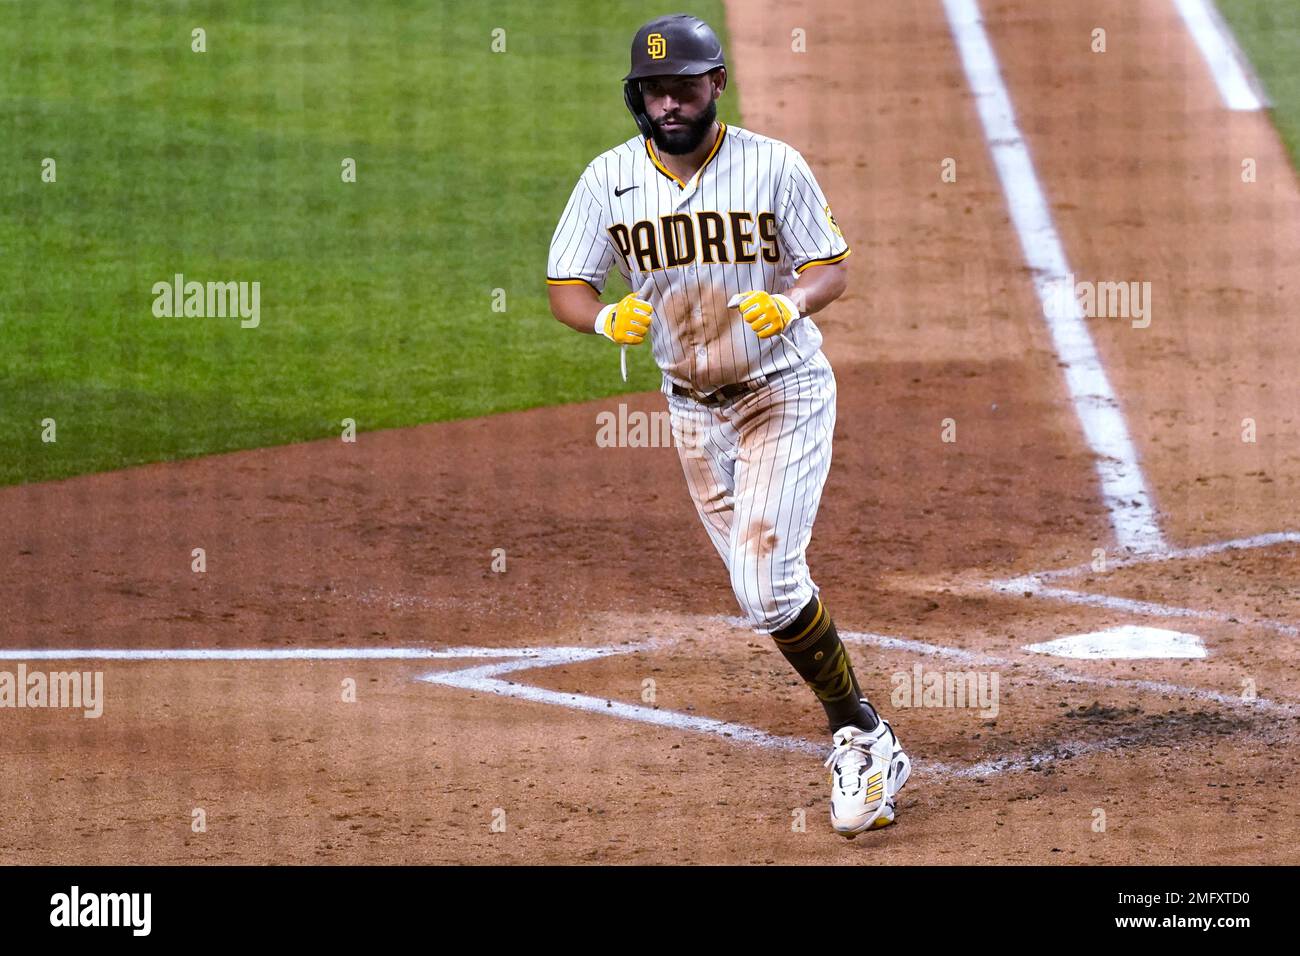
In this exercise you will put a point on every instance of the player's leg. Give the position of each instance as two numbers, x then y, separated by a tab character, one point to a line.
781	468
706	447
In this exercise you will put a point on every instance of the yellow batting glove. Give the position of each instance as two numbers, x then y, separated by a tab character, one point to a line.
627	321
767	314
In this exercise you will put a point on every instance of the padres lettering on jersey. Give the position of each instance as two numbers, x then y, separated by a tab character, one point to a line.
752	217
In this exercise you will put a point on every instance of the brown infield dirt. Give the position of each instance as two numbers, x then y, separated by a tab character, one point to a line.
389	542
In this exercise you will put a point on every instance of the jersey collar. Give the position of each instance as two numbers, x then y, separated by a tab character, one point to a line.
717	145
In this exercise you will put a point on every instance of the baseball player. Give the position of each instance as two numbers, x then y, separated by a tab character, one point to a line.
732	247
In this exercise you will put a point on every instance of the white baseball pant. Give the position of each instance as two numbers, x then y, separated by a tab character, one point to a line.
755	466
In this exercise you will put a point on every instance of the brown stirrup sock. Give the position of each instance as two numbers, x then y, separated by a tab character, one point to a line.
814	649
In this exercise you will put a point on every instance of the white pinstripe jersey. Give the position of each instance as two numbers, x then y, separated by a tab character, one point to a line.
752	217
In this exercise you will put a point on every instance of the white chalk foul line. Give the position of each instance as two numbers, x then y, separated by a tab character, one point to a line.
1123	487
1238	86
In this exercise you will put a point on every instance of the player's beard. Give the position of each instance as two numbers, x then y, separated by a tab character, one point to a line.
689	137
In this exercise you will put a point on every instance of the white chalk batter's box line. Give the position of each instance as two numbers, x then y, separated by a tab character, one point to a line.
1036	584
488	678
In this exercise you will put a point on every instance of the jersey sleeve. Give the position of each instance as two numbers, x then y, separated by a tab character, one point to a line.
807	228
581	250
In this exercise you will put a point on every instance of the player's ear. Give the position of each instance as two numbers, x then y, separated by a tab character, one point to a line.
719	80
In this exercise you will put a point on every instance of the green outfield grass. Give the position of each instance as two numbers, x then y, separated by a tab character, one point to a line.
376	297
1268	32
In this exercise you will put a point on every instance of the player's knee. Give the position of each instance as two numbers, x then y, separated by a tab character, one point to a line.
769	579
744	584
769	616
766	601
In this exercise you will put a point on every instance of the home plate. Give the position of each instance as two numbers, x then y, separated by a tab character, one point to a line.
1130	642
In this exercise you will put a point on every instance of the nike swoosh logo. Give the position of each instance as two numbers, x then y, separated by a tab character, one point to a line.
619	192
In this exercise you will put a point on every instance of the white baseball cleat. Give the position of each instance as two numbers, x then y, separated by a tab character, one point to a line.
868	768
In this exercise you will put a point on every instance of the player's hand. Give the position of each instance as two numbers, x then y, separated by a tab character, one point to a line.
767	314
627	321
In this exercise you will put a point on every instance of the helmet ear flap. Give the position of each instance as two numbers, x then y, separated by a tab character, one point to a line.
636	106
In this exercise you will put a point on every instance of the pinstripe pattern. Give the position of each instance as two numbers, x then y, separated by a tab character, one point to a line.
755	467
697	340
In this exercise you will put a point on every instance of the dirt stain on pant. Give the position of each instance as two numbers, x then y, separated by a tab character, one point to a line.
760	538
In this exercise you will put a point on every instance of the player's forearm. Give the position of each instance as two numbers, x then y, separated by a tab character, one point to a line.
576	306
818	287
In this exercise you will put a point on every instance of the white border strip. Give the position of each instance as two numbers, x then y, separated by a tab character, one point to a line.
1238	87
1123	486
